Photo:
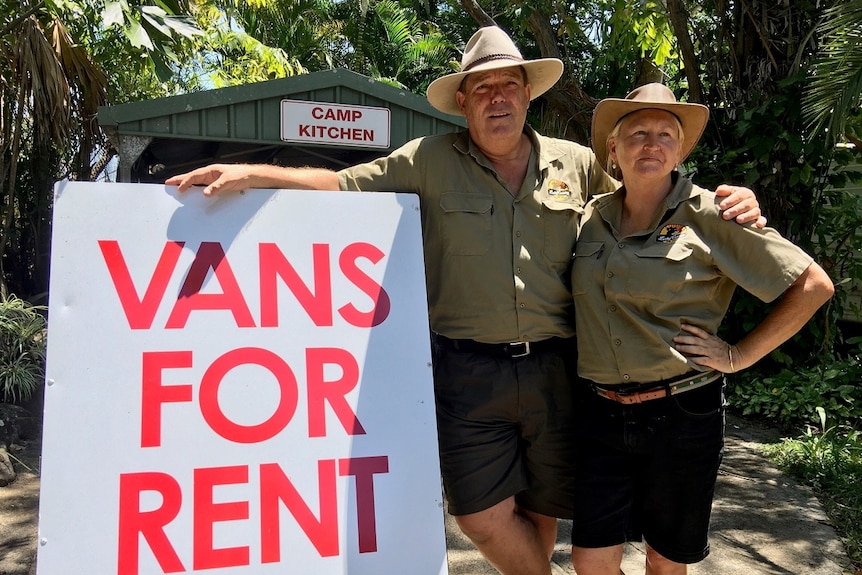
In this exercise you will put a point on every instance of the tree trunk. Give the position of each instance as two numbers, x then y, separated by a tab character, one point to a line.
679	21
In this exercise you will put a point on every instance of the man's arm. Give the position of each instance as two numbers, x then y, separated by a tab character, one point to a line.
740	204
221	178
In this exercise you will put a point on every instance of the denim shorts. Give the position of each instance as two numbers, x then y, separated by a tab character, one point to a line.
505	428
648	471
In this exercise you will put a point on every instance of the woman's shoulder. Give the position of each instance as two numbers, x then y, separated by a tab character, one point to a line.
700	199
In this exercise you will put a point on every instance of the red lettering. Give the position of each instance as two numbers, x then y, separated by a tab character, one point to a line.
317	113
322	530
235	432
210	255
206	513
363	469
154	394
150	524
140	312
275	487
274	265
347	262
336	133
321	391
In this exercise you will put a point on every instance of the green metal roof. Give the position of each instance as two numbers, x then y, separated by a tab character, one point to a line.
158	138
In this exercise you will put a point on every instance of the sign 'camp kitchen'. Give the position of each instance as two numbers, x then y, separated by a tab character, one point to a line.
334	124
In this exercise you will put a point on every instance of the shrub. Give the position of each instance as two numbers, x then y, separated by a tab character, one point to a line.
22	349
791	398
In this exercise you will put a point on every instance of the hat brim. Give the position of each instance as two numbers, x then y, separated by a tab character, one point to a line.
610	111
542	74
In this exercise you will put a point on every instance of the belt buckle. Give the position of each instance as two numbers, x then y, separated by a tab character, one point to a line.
525	345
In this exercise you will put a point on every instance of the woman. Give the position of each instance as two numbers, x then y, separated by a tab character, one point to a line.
653	275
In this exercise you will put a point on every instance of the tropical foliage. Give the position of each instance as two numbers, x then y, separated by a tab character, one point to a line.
782	79
22	349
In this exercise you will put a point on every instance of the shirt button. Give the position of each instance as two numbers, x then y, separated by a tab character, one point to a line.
518	271
626	377
522	306
621	244
610	274
618	342
517	234
613	308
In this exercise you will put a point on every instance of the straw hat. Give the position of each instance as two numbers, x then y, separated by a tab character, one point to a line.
490	48
610	111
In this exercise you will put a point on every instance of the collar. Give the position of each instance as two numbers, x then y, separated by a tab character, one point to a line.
546	149
610	205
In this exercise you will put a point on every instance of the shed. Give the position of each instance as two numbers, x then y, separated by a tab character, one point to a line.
163	137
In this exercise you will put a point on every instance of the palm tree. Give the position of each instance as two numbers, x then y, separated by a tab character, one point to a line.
51	87
391	43
48	82
835	88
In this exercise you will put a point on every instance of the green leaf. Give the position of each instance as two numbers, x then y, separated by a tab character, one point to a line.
154	11
183	25
157	22
162	68
112	14
137	35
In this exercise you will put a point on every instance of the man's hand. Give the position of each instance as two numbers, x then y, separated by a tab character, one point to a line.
222	178
218	178
740	204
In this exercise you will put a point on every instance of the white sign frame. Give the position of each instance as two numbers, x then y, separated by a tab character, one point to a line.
111	472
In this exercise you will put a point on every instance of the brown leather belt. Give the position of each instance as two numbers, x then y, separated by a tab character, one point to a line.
657	390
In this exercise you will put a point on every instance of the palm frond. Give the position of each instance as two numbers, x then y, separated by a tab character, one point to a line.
836	83
41	79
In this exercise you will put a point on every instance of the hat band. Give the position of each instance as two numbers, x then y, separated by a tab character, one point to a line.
489	58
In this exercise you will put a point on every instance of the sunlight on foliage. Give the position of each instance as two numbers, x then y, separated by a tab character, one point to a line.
22	349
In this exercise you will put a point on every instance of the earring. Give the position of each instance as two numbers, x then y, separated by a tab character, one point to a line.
613	165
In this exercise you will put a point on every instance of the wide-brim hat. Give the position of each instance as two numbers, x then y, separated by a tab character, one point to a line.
610	111
490	48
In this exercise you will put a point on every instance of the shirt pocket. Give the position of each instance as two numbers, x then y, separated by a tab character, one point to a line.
560	224
661	270
587	264
466	223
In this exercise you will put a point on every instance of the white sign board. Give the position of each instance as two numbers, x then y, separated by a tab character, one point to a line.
334	124
238	385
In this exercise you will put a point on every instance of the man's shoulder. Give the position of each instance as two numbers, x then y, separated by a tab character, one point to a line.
559	147
425	148
446	139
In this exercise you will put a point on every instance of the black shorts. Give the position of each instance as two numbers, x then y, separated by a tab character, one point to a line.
505	428
648	471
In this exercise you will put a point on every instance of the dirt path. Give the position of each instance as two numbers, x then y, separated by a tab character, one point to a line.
19	505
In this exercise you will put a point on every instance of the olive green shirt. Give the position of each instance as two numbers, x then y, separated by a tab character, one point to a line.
497	263
632	293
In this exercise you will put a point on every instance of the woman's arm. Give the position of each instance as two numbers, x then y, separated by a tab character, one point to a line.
804	297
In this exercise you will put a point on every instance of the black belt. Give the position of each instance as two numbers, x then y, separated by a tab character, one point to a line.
513	350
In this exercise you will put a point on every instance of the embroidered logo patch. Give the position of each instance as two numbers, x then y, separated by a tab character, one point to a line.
670	233
559	188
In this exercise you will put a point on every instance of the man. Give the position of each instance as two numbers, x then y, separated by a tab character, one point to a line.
500	206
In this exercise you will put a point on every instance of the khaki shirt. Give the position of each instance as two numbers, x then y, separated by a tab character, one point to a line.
632	293
497	266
